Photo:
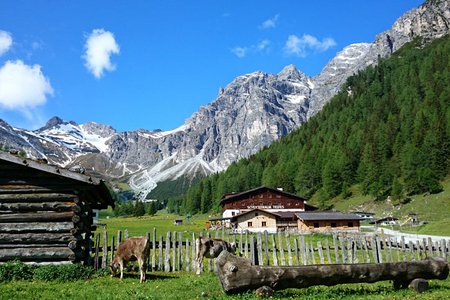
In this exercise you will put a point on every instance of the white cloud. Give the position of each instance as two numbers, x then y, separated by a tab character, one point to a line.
100	45
5	41
270	23
263	45
300	46
23	87
240	51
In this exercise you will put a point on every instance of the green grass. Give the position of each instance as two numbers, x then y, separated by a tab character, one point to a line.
187	286
162	222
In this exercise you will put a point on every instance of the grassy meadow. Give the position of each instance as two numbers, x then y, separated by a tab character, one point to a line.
433	209
181	285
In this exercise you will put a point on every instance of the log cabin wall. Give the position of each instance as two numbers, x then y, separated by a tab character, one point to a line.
46	212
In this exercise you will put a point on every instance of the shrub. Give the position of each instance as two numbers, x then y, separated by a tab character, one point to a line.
63	272
16	270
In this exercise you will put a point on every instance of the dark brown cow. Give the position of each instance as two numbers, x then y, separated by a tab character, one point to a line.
132	249
211	248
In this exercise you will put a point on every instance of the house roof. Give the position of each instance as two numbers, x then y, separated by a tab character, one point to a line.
95	190
237	196
326	215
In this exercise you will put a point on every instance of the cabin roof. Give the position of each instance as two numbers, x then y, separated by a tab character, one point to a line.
95	190
320	216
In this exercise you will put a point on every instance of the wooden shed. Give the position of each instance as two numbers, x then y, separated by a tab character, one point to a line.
46	212
322	221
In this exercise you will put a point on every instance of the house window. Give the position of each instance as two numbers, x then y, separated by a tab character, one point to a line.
233	213
316	225
249	224
256	214
350	224
333	225
263	224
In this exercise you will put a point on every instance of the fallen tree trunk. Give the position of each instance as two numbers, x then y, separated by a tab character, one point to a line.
239	275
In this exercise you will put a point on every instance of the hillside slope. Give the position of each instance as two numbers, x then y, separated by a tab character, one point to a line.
388	131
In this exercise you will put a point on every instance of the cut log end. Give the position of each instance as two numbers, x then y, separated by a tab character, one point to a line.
419	285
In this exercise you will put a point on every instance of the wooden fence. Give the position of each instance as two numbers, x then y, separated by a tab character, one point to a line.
177	251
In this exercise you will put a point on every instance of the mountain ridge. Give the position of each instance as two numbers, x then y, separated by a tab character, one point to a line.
250	113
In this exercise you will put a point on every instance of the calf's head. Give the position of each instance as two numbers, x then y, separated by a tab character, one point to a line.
114	267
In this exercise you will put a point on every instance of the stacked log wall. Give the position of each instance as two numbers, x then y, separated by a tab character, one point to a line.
43	217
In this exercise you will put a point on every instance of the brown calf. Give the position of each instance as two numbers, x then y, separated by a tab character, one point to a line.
211	248
135	248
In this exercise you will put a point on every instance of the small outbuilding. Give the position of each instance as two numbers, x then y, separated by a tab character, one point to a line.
46	212
325	221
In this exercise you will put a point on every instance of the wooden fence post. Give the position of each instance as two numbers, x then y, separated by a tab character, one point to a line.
246	244
160	254
343	249
111	258
319	247
297	258
105	249
302	249
280	243
336	249
167	254
327	247
194	252
186	258
119	237
274	252
259	248
253	257
174	251
97	246
266	250
153	264
288	246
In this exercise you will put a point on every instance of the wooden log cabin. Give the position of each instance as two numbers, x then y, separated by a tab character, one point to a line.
46	212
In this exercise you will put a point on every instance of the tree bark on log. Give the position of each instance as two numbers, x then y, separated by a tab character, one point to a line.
237	274
43	206
38	198
36	254
37	238
37	227
33	217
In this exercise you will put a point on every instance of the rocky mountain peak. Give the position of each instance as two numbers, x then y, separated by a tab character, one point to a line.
291	73
54	121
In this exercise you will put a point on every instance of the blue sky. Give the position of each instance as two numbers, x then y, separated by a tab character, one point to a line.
152	64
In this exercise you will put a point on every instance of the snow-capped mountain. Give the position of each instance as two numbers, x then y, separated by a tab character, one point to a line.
251	112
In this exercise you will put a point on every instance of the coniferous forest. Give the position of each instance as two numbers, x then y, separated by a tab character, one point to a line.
388	130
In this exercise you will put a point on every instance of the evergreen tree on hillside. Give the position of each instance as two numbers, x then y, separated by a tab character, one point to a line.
388	131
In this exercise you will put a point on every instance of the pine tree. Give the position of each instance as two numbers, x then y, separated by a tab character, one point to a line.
139	209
